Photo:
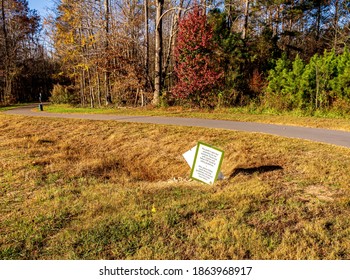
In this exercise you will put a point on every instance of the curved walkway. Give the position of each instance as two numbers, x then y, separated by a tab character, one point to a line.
335	137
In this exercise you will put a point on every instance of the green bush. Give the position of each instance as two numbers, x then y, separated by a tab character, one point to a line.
341	83
63	95
323	83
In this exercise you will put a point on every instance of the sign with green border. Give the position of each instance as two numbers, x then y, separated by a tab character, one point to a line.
207	163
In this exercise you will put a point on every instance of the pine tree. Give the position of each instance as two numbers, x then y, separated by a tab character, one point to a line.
277	81
316	85
340	84
294	87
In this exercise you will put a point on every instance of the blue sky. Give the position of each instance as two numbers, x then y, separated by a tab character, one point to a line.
40	5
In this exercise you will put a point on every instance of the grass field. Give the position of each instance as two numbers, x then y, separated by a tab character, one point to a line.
73	189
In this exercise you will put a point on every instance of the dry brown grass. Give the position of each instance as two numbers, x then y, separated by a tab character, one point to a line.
73	189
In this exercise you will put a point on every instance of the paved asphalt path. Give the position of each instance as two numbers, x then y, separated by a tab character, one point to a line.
335	137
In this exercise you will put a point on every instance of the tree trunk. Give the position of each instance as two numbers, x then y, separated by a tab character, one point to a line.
107	73
8	79
246	16
146	45
91	89
336	19
158	53
171	45
317	87
98	88
318	23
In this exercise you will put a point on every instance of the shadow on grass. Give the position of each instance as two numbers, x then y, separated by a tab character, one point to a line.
252	170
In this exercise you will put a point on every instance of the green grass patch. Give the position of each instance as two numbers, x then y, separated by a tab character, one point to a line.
9	107
75	189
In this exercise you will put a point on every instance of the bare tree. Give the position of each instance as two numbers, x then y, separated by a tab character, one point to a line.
146	15
246	16
7	74
107	71
158	52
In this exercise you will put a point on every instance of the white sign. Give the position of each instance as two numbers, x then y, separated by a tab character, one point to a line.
189	156
206	164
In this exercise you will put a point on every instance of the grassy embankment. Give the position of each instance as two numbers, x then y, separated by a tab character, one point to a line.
319	119
5	108
72	189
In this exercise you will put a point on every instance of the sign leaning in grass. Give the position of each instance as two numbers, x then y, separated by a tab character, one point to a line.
189	157
207	163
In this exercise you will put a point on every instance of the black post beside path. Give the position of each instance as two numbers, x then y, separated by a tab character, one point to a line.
41	108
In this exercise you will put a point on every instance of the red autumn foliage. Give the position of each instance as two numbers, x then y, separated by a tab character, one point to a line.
197	70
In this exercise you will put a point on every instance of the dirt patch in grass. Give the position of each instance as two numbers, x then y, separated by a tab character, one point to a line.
73	189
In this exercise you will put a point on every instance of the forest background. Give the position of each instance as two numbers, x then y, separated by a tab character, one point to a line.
272	54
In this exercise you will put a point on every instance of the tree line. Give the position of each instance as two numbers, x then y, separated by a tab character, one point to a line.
25	70
322	83
202	53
